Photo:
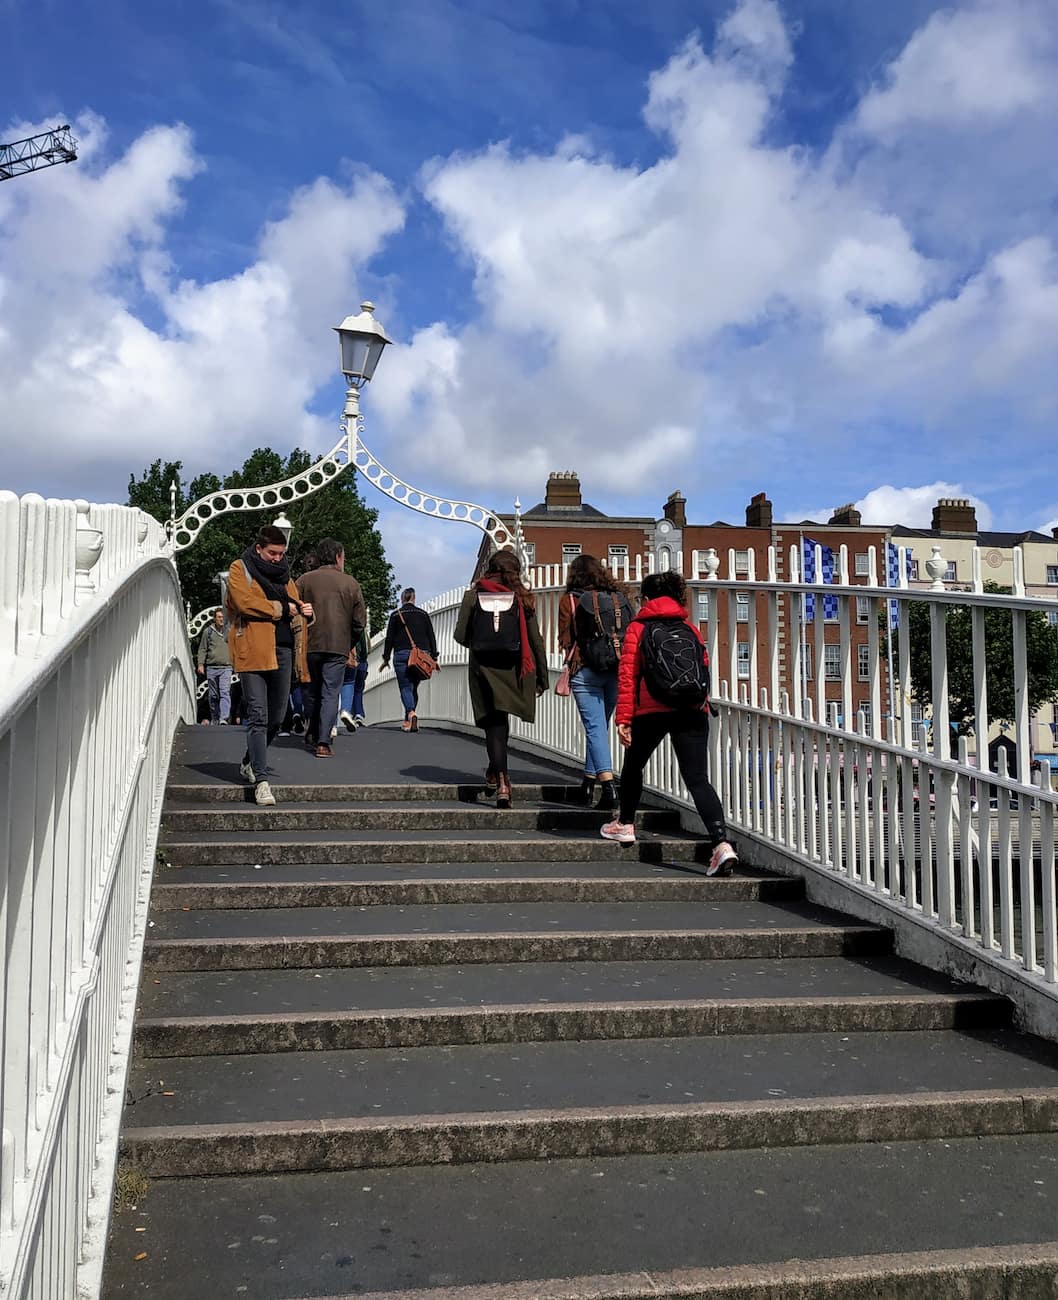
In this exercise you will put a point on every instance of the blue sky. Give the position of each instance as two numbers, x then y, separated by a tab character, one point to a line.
804	246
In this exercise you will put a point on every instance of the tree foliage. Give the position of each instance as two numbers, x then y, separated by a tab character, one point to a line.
1041	656
336	510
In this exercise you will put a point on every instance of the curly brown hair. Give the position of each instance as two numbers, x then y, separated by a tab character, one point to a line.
586	573
505	567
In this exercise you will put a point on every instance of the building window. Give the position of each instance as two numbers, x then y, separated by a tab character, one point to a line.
913	575
863	566
1052	617
570	551
864	720
832	663
703	607
863	609
950	574
529	551
809	671
1052	575
664	559
742	561
741	607
863	662
618	556
743	658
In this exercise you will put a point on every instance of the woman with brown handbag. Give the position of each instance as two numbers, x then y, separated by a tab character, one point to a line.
409	629
507	667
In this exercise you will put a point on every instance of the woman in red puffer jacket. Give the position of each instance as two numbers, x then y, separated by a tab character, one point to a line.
643	722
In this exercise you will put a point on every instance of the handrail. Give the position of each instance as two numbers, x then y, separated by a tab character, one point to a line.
96	676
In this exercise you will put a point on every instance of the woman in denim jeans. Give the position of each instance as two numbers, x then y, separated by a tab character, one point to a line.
592	618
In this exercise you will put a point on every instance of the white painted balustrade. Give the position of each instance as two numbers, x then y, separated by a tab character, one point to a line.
94	677
871	800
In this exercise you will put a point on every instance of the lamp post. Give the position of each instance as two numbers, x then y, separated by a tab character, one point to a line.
284	525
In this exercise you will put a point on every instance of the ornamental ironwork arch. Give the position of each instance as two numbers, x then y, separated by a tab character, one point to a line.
349	449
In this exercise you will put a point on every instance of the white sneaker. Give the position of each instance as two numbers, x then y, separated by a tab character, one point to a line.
247	772
723	859
347	720
334	732
622	832
263	794
360	720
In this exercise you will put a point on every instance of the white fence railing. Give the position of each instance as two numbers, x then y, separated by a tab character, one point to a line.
94	677
867	797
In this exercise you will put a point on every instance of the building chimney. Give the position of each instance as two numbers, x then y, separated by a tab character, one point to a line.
954	515
758	512
1054	531
563	491
847	515
676	509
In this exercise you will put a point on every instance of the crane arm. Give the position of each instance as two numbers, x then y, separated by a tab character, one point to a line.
37	151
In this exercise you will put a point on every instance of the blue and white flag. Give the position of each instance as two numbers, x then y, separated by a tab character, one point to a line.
892	577
830	603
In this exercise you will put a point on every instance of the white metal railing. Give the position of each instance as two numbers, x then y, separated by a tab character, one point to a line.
95	677
867	797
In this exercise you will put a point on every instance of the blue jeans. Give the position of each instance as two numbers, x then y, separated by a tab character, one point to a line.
409	690
595	695
219	682
353	690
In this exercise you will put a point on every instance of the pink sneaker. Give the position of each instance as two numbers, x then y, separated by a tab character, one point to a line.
622	832
723	859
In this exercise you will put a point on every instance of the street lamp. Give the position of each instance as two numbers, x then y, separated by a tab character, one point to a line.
284	525
361	339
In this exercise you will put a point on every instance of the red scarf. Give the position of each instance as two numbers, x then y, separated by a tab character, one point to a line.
528	660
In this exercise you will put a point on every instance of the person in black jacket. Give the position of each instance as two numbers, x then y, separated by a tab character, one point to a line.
408	626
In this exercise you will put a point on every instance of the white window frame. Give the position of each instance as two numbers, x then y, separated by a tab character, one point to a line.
863	663
1052	575
741	607
529	551
913	576
832	663
862	565
863	609
951	573
742	561
742	658
570	551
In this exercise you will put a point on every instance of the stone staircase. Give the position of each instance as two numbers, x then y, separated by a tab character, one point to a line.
393	1042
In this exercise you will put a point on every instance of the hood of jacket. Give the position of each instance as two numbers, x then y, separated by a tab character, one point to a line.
661	607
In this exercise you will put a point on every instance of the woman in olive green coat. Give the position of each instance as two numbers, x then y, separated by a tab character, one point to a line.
508	663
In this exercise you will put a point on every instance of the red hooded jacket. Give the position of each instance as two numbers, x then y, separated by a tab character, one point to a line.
633	697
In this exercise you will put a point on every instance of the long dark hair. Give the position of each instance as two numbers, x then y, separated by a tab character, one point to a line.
505	567
586	573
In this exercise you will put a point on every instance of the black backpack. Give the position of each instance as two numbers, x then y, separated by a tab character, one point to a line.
674	663
607	616
495	626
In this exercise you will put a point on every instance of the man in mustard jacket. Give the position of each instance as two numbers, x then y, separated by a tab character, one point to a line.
266	638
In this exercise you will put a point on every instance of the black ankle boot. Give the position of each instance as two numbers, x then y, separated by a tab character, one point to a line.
608	797
585	793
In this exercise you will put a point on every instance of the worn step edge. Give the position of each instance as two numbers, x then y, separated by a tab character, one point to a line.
1022	1272
317	951
293	853
530	889
423	817
422	792
386	1141
294	1031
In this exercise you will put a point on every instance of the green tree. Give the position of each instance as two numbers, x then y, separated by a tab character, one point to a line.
1041	656
336	510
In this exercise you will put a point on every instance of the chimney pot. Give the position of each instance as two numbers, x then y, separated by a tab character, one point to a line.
954	515
847	515
563	491
758	512
675	510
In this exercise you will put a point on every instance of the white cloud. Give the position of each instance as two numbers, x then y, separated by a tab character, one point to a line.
227	364
913	506
987	62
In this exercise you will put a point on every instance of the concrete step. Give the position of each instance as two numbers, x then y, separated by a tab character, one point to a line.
255	887
232	939
450	815
560	1075
619	1227
185	795
230	848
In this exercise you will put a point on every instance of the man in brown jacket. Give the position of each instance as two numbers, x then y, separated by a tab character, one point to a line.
338	604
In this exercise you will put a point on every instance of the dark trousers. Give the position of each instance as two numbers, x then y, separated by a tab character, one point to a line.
323	695
409	686
264	704
689	732
497	729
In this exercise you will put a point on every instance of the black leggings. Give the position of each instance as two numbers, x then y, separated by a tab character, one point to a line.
689	732
497	729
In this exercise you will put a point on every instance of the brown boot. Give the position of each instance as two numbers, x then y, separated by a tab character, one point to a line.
503	791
